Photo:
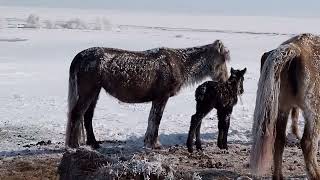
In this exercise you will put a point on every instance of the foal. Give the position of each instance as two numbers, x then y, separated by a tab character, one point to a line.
219	95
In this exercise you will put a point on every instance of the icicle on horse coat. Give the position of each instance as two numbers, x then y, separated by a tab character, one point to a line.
136	77
289	79
220	95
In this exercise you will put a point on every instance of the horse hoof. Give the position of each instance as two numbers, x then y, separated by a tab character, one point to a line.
94	145
72	145
199	148
153	146
190	149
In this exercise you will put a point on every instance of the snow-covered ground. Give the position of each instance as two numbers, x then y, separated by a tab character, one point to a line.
36	51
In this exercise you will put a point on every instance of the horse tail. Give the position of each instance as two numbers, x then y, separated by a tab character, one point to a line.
73	97
266	109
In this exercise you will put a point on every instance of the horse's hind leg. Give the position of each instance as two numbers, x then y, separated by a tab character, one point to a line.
75	126
202	109
279	143
91	140
151	136
194	124
294	124
309	143
198	139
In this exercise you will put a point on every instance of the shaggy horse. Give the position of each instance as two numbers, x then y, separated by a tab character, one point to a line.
294	110
289	79
222	96
136	77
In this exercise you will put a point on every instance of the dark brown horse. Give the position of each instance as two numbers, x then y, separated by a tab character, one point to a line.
136	77
221	96
289	79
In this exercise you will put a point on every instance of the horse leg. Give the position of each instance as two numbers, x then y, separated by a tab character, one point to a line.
279	144
75	126
195	121
91	140
151	136
223	126
202	109
294	124
198	139
309	144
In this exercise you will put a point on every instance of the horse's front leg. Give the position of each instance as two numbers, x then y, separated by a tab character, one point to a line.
223	126
151	136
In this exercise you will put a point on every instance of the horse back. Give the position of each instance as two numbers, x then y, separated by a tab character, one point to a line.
140	76
302	73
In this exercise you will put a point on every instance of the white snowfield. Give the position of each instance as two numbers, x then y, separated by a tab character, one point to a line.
37	46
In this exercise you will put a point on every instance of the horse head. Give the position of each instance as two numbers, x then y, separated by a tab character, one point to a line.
237	76
218	56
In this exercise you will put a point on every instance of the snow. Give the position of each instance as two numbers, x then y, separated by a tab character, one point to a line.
34	65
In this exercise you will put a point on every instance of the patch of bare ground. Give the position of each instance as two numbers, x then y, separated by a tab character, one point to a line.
33	167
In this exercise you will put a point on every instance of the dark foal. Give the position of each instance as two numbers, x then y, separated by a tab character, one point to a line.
222	96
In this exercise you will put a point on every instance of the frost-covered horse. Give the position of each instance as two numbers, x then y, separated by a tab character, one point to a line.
136	77
289	79
294	110
222	96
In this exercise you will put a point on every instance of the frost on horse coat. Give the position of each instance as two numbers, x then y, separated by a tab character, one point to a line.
137	77
289	79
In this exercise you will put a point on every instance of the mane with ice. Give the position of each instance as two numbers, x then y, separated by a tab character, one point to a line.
136	77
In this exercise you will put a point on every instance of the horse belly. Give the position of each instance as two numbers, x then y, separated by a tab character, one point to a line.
132	90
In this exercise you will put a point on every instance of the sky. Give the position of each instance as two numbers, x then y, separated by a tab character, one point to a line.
296	8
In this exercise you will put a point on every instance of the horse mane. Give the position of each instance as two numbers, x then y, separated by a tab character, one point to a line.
195	55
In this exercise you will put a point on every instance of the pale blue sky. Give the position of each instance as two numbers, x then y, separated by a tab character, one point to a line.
222	7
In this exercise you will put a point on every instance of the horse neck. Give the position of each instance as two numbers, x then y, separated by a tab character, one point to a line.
232	86
196	67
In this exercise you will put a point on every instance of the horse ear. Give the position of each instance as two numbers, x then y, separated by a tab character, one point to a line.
222	50
244	71
218	45
232	70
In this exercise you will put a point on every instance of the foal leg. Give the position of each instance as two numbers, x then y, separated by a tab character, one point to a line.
280	141
309	144
198	139
202	109
194	124
91	140
151	136
223	126
294	124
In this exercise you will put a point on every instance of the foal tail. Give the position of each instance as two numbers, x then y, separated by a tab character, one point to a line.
266	109
73	97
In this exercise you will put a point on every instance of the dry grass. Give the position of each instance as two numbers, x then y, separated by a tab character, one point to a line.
30	167
175	160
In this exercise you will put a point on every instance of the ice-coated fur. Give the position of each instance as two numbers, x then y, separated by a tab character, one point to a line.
289	79
137	77
294	110
221	96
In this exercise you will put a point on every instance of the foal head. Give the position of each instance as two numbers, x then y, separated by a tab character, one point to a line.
237	78
217	56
